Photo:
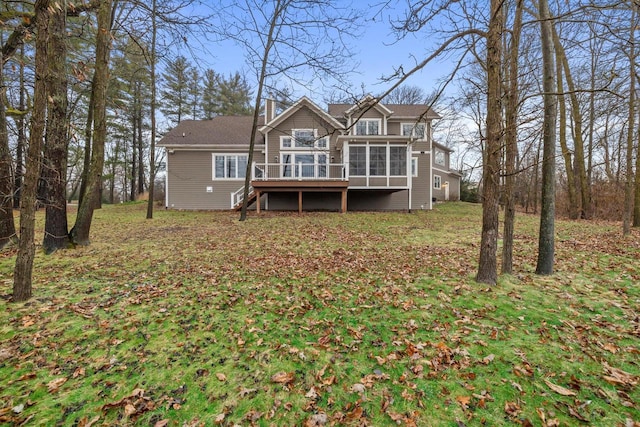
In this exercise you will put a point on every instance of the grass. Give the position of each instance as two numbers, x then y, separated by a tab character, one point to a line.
194	318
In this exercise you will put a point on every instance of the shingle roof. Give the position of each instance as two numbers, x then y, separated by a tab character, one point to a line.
221	130
399	110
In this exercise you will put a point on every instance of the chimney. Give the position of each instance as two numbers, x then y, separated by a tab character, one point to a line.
269	109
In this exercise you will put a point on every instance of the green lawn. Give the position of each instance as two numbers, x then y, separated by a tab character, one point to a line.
194	318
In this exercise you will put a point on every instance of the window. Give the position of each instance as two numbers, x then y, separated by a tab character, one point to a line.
440	157
397	161
303	165
229	166
414	166
358	161
378	161
303	139
368	127
437	182
413	129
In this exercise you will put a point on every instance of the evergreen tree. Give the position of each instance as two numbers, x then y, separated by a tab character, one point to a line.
232	95
208	103
175	94
195	93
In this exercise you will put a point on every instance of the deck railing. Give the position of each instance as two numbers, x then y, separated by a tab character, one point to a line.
299	171
237	197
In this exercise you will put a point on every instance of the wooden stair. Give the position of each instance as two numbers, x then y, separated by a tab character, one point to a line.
251	199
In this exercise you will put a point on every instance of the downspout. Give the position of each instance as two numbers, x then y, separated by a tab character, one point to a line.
266	155
166	179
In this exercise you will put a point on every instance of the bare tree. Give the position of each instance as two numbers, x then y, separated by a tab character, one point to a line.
546	240
286	38
628	185
56	233
152	59
22	274
7	226
91	198
487	265
407	94
512	97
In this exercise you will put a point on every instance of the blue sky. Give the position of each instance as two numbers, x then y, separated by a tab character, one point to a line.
377	52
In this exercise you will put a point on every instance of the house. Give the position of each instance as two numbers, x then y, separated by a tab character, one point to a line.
363	156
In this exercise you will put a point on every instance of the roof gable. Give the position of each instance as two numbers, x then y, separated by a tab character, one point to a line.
404	111
369	102
302	102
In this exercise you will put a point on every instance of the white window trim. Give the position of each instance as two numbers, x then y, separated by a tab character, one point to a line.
316	141
282	138
413	124
316	164
414	166
225	155
439	186
387	161
355	125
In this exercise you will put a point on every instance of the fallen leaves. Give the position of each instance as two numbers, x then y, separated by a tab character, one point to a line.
618	377
285	378
55	384
132	405
559	389
339	324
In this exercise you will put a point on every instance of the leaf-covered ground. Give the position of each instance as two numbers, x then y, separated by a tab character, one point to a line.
194	318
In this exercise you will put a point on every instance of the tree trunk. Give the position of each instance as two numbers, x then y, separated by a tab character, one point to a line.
22	138
487	264
134	153
22	274
88	132
277	11
580	169
140	148
511	143
546	241
152	144
91	197
628	218
636	207
56	232
566	154
634	57
7	225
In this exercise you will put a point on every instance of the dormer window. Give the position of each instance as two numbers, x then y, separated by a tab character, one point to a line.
368	127
415	130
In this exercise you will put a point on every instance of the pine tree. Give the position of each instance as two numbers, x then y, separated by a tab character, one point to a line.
175	95
232	95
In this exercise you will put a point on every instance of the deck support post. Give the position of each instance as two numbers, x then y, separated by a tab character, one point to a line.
299	202
257	201
343	201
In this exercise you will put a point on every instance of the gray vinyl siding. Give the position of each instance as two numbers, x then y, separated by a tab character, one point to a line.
446	175
302	119
393	128
189	173
421	184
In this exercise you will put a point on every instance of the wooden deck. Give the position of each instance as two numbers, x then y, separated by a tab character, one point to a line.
301	187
